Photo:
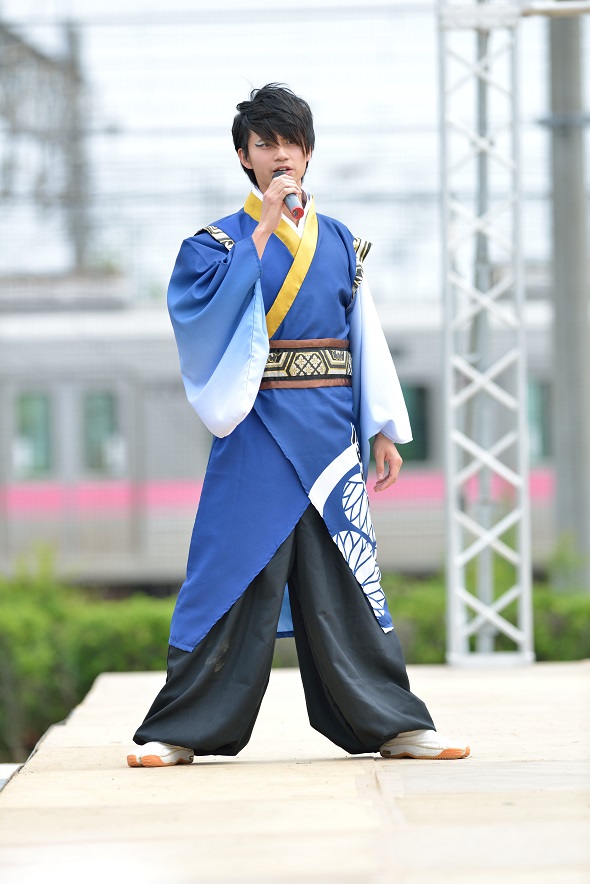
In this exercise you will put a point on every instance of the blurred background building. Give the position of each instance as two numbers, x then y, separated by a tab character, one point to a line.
115	145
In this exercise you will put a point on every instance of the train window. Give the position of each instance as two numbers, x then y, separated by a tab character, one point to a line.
32	449
417	403
103	444
539	421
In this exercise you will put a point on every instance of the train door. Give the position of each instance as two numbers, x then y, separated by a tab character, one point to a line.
66	484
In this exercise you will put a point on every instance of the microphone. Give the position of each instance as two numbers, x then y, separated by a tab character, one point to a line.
291	200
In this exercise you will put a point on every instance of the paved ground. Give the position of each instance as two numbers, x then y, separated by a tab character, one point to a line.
294	808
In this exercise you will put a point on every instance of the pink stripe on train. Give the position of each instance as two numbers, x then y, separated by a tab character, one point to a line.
427	488
43	498
40	499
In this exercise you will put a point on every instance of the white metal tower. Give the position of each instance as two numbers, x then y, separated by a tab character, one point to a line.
488	555
488	534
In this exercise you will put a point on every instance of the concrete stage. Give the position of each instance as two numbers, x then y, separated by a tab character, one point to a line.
294	808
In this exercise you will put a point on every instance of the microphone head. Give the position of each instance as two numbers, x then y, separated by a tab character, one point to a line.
296	211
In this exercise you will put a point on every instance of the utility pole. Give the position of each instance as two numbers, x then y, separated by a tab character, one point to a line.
42	133
571	298
74	147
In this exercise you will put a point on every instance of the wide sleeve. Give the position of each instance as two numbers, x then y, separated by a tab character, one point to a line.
217	312
378	400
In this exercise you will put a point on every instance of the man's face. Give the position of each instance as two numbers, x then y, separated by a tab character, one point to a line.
267	157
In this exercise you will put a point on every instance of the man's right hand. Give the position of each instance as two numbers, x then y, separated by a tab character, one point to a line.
273	204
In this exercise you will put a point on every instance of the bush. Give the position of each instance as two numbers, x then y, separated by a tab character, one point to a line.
129	635
55	640
562	625
418	609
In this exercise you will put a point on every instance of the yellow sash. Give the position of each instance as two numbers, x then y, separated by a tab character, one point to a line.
302	249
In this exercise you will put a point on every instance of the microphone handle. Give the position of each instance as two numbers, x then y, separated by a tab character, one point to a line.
291	201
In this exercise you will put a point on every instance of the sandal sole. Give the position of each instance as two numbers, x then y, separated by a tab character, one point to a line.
445	755
153	761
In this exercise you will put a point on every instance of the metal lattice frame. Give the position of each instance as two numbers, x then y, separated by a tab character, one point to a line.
488	555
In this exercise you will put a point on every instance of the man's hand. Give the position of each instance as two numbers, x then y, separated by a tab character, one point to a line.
272	209
385	452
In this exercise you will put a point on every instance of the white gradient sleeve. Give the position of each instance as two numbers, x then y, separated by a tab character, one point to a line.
379	404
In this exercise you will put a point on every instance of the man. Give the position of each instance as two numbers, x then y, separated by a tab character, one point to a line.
283	358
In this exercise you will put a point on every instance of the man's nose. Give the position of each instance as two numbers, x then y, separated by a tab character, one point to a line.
281	151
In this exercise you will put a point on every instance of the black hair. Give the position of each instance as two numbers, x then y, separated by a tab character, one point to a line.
273	111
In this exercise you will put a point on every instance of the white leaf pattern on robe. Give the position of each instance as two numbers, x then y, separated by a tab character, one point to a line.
355	502
360	556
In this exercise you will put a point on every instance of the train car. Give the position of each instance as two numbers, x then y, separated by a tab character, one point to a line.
102	458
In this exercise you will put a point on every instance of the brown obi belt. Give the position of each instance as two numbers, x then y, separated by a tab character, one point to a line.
319	362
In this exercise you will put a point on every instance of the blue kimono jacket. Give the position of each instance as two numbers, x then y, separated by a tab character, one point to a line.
276	450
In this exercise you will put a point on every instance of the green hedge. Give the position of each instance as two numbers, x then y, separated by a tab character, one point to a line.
561	620
55	640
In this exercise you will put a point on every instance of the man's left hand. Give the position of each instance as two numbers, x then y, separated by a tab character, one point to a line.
385	452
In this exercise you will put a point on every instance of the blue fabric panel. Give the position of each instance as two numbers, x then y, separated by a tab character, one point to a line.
285	627
251	501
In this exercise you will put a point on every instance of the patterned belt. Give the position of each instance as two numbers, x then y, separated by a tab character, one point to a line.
319	362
